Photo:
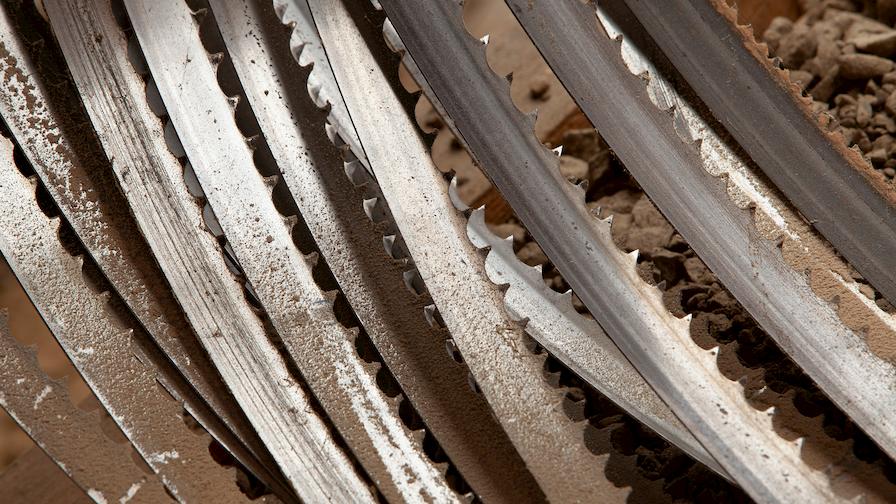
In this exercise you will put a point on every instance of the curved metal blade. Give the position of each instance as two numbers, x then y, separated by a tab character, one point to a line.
101	348
171	222
718	227
552	321
830	184
491	343
321	85
579	342
353	248
280	275
82	184
102	467
740	438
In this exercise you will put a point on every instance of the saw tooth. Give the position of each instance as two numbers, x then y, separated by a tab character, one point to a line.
471	381
456	200
311	259
388	244
429	311
453	351
356	173
413	282
270	183
216	59
373	211
253	142
234	102
419	436
476	228
199	15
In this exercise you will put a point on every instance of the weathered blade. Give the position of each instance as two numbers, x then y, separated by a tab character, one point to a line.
552	320
372	281
170	220
715	223
76	175
306	47
73	438
492	345
280	275
577	341
831	185
34	477
740	438
101	348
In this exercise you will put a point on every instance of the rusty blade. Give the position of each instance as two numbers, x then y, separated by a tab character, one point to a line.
660	346
101	348
830	184
213	301
83	185
492	344
353	248
72	437
280	275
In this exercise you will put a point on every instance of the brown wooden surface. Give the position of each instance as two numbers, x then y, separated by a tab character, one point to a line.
33	478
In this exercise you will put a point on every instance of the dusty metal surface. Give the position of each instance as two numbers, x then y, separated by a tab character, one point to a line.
102	349
659	345
577	341
831	185
264	242
42	407
678	176
491	343
371	279
280	275
551	319
170	220
321	85
74	174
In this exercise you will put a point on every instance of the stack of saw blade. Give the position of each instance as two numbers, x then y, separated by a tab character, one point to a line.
266	235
